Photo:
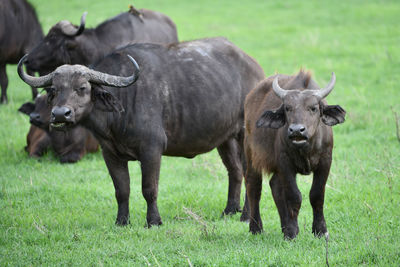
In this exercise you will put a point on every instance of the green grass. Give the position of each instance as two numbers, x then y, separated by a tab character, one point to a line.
53	214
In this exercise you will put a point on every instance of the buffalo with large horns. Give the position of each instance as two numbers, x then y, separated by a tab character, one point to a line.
188	100
288	131
66	43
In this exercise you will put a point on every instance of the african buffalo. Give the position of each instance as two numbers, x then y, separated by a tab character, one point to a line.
20	31
70	145
37	142
188	100
288	131
69	44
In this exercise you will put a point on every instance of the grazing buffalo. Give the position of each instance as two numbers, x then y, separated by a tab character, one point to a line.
288	131
188	100
20	31
69	44
70	145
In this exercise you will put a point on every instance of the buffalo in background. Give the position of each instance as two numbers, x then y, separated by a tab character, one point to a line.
68	44
69	146
288	131
20	32
188	100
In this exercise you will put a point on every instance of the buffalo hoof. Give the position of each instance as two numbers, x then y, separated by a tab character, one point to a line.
255	227
123	221
231	210
4	100
319	232
152	223
153	219
245	216
290	233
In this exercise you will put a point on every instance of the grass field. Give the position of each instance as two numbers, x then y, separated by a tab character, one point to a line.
53	214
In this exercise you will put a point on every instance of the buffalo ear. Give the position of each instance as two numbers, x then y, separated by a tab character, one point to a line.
272	119
27	108
106	101
332	115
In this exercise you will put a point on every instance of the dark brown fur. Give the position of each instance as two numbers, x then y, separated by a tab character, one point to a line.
20	31
269	149
38	141
70	146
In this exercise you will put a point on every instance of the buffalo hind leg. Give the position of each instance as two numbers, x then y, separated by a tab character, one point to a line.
253	190
150	166
3	84
119	172
230	155
317	195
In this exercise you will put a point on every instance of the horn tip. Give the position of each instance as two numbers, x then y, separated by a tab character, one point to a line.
134	62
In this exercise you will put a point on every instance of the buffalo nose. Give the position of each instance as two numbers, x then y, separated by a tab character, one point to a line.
61	114
34	116
296	129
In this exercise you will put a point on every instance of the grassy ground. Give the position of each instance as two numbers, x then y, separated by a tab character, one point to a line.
53	214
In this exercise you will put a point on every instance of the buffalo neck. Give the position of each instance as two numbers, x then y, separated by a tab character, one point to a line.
304	158
92	48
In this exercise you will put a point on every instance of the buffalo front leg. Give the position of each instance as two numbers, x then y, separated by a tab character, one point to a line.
230	155
317	196
3	84
279	199
119	172
253	189
150	165
293	200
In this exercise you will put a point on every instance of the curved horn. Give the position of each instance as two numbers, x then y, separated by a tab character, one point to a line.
325	91
82	26
32	80
70	30
115	81
277	89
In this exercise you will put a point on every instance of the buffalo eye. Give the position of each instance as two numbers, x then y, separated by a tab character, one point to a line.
288	108
313	109
82	88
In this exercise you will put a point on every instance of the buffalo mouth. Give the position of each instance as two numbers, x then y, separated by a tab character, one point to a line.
298	139
37	123
61	126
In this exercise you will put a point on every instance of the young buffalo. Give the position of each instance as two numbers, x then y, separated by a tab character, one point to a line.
69	145
288	131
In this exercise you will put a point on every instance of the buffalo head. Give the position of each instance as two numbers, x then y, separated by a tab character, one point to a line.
57	48
73	91
301	111
38	112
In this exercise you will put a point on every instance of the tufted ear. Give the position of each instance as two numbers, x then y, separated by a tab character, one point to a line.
332	115
27	108
106	101
272	119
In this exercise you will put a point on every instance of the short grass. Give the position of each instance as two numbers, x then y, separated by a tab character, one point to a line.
53	214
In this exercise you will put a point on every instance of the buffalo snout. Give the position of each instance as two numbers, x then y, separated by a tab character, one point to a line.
34	118
61	114
61	117
297	133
